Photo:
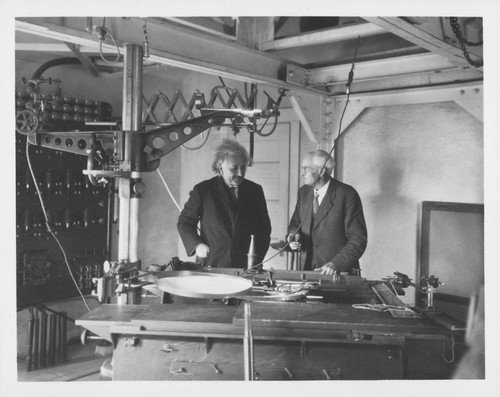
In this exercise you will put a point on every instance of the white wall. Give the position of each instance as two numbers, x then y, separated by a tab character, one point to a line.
158	213
398	156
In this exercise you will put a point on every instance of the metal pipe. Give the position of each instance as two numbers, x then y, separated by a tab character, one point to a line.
131	120
132	88
248	343
124	218
134	225
109	221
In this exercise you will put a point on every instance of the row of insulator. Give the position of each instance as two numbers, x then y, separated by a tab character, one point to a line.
37	150
56	184
45	117
33	225
28	93
59	107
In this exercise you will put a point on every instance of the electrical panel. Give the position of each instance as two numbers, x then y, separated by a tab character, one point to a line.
78	212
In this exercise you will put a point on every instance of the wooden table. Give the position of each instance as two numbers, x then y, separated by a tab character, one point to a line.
292	340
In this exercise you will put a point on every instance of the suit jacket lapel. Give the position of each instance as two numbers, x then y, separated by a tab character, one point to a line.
326	204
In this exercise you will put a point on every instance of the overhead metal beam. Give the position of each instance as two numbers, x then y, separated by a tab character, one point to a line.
86	62
172	45
324	37
426	37
52	47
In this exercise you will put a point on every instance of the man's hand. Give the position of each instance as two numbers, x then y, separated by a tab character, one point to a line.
202	250
293	243
328	269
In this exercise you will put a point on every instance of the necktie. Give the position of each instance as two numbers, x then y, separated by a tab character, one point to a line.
234	192
315	203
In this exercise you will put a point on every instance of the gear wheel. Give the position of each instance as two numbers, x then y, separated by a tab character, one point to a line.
27	122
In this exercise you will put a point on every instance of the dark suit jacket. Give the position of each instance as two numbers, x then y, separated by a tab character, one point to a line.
338	233
226	225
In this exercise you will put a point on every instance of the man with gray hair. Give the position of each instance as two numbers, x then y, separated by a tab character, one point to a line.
229	209
328	219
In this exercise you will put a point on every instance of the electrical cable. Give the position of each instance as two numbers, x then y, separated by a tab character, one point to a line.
259	132
201	145
117	50
168	189
103	33
48	225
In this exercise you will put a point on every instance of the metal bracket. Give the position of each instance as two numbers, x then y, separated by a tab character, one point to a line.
297	75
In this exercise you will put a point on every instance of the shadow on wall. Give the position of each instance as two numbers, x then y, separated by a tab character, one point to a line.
391	216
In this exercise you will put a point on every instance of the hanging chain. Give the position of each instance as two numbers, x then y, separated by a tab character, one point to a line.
464	43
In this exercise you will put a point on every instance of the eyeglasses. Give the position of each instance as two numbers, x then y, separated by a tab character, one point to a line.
309	168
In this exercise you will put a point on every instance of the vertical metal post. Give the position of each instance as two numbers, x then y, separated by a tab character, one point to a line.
248	343
134	223
131	119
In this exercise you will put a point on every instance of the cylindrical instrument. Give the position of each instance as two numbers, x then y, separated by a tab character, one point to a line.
132	119
251	253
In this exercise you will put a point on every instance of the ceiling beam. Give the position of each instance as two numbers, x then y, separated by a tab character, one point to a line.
454	92
252	32
196	26
426	37
324	37
85	61
390	73
469	96
381	68
171	45
52	47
